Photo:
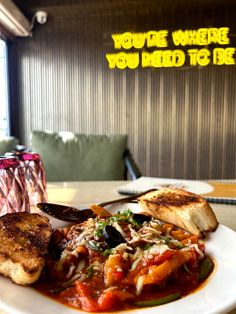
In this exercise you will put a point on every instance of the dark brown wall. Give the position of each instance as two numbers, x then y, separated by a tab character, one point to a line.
180	121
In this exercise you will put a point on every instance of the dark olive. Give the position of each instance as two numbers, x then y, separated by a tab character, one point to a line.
57	244
112	236
56	251
141	218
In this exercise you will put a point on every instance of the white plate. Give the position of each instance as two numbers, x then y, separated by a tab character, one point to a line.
217	296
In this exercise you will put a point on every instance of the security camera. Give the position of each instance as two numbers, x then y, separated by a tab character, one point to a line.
41	17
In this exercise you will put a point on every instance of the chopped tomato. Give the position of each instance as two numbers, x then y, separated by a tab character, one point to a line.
158	259
119	275
88	303
180	234
113	269
153	260
110	298
167	227
71	297
192	239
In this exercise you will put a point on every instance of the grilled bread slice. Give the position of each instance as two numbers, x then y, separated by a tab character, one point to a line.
186	210
24	239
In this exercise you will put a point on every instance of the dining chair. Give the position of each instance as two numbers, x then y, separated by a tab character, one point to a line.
69	156
8	144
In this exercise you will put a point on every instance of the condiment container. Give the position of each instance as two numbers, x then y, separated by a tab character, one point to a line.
13	193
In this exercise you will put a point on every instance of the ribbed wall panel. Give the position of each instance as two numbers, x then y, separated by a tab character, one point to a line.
180	122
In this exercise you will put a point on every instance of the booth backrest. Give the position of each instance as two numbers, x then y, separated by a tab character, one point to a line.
8	144
78	157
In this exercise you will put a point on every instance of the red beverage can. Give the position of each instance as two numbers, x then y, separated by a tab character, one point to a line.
13	192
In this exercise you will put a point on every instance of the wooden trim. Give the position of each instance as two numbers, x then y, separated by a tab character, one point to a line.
6	33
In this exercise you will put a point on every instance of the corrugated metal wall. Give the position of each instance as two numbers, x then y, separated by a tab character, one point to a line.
180	122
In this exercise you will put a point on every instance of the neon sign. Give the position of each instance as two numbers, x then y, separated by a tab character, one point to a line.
130	57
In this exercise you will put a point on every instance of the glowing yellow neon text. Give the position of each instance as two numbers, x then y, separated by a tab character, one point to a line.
201	37
123	60
199	57
163	58
157	39
129	40
223	56
159	55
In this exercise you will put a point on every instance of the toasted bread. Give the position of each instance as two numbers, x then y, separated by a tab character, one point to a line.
24	240
186	210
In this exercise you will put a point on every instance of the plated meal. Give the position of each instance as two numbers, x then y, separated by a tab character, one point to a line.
114	262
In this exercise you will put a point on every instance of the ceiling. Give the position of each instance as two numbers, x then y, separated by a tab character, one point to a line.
102	7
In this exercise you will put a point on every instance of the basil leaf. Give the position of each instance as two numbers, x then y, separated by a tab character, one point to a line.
206	268
163	300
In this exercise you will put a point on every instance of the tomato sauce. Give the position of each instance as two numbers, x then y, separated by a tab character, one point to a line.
95	269
181	282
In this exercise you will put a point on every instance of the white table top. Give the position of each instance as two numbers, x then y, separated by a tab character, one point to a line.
86	192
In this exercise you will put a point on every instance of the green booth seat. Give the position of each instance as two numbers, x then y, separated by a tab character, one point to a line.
8	144
68	156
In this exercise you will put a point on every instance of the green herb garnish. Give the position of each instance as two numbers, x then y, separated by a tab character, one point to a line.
100	226
147	246
187	269
107	252
163	300
90	271
166	240
206	268
93	245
